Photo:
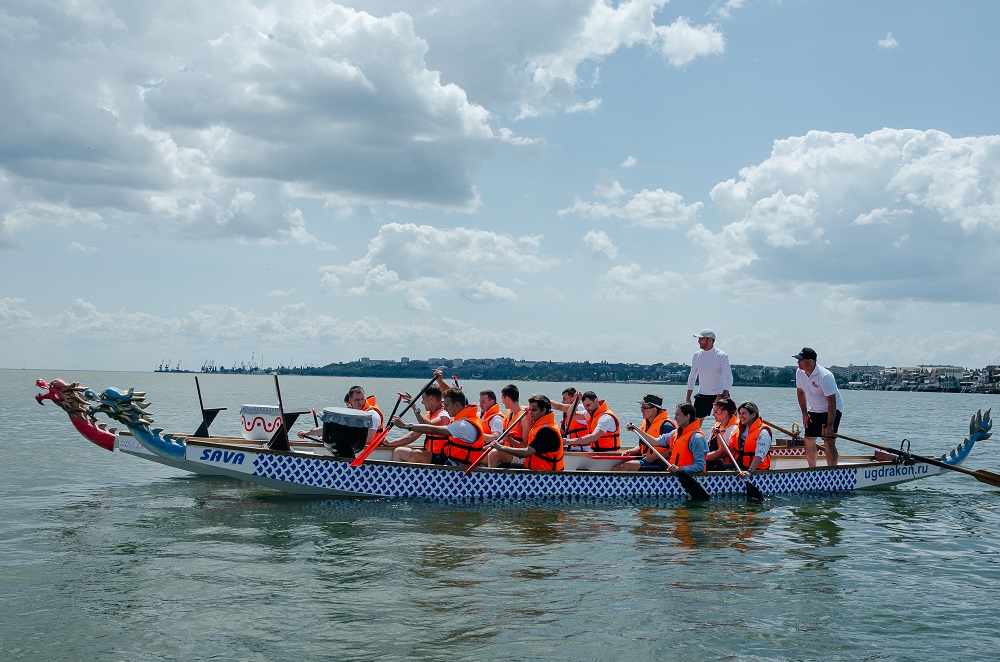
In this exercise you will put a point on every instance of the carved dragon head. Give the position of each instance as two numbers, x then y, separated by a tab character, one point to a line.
69	397
128	407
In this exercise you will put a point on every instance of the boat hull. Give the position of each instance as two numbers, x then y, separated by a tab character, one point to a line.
303	473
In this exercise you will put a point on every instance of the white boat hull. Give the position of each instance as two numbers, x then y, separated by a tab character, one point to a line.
306	473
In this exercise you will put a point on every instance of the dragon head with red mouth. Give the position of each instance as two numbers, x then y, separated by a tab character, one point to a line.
70	398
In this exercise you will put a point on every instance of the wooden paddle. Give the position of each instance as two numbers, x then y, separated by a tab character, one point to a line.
690	485
753	494
373	444
981	475
399	399
567	422
517	419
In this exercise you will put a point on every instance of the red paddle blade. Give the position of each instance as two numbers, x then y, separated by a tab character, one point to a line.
372	445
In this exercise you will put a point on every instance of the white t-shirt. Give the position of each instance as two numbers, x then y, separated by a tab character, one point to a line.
711	369
376	419
606	423
817	387
442	419
726	433
496	425
464	430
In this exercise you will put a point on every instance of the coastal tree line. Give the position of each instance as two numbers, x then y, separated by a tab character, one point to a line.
511	370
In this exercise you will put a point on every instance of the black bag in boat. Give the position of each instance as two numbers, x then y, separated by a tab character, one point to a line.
345	431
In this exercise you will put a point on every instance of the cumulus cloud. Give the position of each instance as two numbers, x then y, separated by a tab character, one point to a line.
630	162
888	42
212	122
657	209
603	30
681	43
77	247
894	214
726	8
420	263
610	190
600	244
13	313
633	282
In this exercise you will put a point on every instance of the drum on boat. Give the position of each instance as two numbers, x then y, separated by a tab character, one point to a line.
345	431
260	421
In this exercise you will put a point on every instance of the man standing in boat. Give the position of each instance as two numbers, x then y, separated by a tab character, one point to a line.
821	405
711	370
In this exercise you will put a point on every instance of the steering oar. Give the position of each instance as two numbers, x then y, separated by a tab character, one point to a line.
981	475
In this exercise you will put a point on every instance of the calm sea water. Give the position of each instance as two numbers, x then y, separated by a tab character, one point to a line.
110	557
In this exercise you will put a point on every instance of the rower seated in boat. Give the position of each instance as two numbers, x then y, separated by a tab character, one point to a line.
356	399
433	416
683	449
751	443
464	433
726	424
544	451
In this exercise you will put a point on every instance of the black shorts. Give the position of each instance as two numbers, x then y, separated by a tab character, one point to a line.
655	465
817	421
703	405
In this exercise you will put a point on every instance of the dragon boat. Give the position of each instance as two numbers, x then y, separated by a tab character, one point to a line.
320	468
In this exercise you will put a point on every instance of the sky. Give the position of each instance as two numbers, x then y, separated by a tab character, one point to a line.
301	183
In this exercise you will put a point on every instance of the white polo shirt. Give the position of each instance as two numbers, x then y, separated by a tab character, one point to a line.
817	387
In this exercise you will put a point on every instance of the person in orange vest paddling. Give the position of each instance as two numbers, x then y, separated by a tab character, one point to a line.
684	448
604	429
544	451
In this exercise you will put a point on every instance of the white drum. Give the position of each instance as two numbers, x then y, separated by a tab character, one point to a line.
260	421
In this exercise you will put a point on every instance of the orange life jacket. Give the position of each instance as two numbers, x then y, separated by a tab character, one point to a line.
574	428
462	451
434	443
609	441
491	413
744	456
371	404
717	432
655	428
515	435
680	447
552	461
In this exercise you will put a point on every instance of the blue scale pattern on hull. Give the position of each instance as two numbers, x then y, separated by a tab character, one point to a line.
396	481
